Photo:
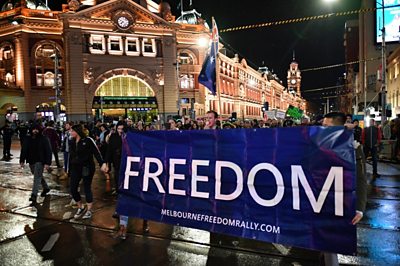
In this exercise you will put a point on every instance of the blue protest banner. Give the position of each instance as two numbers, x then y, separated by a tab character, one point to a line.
293	186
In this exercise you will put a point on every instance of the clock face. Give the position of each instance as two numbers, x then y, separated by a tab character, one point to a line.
293	81
123	22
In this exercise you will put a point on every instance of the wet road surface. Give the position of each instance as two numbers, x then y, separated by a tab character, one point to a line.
47	234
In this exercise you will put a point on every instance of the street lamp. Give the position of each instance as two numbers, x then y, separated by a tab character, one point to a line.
202	43
56	87
383	87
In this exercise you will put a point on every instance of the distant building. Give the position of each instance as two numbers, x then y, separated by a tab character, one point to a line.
393	82
121	58
370	51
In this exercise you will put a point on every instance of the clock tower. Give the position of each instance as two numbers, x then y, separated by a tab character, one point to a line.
294	77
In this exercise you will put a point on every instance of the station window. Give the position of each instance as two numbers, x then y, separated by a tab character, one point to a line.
97	44
186	81
149	47
115	45
7	53
185	59
44	64
132	46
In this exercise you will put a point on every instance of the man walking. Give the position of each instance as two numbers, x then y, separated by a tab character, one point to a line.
37	153
7	132
371	139
339	119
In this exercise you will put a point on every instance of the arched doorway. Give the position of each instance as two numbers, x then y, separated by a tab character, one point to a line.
125	95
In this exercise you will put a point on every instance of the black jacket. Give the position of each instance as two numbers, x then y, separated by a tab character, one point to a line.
114	150
81	153
36	150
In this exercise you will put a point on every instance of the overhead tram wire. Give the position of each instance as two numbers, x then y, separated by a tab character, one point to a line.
303	19
339	65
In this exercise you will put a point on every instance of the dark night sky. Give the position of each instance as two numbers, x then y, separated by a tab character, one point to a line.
316	43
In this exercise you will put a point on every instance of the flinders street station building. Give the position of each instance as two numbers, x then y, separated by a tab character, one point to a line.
123	58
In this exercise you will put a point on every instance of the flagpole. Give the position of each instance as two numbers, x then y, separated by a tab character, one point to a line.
215	44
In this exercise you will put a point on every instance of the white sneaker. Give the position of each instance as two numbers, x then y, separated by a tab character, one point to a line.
87	215
79	212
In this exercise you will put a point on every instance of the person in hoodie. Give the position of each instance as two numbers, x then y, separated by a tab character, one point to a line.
37	152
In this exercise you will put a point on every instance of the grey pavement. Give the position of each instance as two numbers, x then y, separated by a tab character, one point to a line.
48	235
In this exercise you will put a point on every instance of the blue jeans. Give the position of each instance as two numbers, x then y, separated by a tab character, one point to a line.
37	171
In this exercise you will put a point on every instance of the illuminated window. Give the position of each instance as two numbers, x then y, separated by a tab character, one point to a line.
132	46
185	59
44	65
7	52
125	86
10	78
97	44
186	81
115	45
149	47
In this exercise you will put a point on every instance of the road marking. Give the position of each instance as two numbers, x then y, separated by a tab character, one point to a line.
50	243
284	251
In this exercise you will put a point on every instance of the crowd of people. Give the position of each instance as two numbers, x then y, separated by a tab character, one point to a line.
81	142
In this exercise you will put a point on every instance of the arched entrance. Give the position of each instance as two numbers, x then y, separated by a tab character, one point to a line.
125	95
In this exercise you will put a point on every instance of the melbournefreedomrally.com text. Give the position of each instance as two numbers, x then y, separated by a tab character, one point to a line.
219	220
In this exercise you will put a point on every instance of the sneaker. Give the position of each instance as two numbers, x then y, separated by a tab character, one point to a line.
87	215
44	192
79	212
121	234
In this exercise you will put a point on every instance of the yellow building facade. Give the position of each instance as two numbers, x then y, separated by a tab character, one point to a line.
122	58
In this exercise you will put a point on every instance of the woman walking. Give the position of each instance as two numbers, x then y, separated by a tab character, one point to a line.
82	166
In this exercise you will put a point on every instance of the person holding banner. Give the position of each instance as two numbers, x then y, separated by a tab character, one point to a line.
339	119
212	118
82	166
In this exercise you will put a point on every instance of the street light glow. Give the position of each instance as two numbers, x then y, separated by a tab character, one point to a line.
329	1
203	42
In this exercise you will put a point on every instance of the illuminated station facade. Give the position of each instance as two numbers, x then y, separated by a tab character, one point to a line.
123	58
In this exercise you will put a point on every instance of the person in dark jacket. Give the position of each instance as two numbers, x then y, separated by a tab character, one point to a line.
22	131
7	132
114	150
371	138
338	119
37	153
54	138
81	166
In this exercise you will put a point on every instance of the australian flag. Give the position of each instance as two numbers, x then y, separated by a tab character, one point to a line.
208	74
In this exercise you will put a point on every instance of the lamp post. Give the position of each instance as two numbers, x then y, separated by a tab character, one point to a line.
56	85
383	87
